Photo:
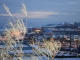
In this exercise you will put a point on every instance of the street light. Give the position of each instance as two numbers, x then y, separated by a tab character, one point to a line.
37	31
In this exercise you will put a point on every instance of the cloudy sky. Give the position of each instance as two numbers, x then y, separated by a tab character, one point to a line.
42	12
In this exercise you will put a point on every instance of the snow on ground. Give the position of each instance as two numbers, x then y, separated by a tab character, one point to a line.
27	51
3	46
67	59
43	58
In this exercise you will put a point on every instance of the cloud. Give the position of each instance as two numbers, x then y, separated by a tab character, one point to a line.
72	2
65	13
37	14
33	14
15	15
41	14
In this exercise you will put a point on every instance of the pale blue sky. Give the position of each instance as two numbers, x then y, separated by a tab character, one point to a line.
42	12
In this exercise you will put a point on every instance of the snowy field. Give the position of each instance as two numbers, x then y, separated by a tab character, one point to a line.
27	58
67	59
39	58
